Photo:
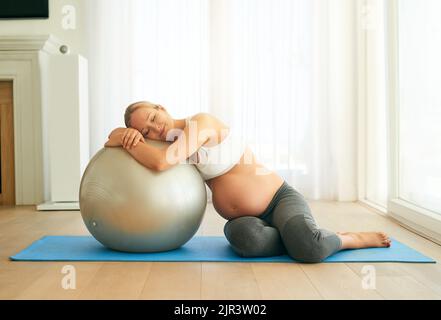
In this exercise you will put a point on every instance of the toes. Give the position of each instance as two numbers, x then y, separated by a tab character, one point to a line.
384	236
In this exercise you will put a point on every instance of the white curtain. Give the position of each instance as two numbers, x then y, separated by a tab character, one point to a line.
282	71
154	50
374	27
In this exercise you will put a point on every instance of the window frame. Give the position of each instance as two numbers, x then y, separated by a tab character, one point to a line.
410	215
363	44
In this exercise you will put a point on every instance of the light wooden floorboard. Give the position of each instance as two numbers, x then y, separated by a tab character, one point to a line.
114	280
337	282
230	281
173	281
49	285
402	281
15	278
283	281
20	226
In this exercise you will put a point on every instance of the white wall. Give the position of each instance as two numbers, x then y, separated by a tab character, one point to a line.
73	38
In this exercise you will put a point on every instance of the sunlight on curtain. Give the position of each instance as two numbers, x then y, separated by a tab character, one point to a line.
420	102
376	111
286	70
154	50
279	71
272	72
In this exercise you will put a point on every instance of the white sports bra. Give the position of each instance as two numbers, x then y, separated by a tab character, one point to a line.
216	160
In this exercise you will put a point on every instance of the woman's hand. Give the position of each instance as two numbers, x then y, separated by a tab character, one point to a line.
124	137
112	143
130	138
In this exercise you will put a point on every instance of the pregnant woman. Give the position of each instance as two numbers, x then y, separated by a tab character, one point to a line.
266	216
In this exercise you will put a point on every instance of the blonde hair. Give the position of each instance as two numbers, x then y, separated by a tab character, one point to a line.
135	106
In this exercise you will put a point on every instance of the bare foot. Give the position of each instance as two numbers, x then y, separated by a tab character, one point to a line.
358	240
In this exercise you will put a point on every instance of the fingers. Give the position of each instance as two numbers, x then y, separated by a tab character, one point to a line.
138	138
130	141
131	138
126	137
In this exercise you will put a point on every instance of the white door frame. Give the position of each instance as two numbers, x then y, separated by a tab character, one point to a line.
23	60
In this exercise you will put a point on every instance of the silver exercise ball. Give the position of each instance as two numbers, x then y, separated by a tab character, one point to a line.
128	207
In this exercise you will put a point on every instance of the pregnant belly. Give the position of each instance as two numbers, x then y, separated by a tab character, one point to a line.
242	192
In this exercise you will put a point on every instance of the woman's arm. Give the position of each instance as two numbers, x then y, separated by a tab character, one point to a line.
117	131
115	138
149	156
124	137
187	143
150	161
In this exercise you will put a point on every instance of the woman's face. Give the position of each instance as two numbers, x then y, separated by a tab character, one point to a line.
152	122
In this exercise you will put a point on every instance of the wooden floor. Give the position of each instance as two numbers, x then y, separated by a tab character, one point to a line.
20	226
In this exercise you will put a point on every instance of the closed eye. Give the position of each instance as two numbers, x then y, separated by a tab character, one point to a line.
144	133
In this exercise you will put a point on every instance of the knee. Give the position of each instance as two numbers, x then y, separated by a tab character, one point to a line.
243	226
245	235
307	252
309	257
302	243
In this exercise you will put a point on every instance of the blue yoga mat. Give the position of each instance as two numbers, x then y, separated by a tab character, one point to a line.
86	248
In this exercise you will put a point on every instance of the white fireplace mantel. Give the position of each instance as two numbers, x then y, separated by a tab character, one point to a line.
45	43
24	60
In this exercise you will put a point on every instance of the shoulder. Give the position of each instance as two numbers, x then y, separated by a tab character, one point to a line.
202	116
206	119
207	125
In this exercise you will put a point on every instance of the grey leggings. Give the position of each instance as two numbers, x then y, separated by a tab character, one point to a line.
285	227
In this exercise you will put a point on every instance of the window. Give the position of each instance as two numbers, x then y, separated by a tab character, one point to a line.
419	69
414	73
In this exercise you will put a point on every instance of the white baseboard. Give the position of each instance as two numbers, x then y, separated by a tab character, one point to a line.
423	221
59	206
416	223
373	206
